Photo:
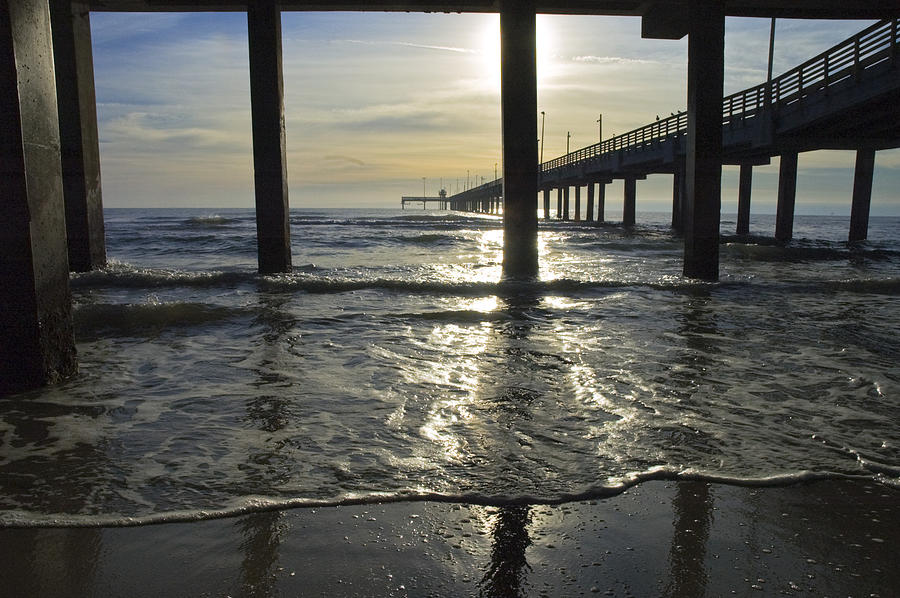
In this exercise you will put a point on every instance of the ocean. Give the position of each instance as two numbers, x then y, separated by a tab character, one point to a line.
394	364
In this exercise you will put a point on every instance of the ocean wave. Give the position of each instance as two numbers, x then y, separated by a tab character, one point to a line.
426	239
123	275
139	319
312	279
768	250
20	518
210	221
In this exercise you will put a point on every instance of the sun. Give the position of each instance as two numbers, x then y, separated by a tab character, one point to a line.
489	50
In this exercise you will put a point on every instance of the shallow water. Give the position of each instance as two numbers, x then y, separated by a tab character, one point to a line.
392	364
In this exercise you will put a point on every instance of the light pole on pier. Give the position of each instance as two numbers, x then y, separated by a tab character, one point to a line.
600	128
543	116
768	98
495	171
568	137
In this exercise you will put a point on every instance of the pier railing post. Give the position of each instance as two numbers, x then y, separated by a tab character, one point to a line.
37	345
518	100
745	185
79	141
703	197
269	156
787	194
862	194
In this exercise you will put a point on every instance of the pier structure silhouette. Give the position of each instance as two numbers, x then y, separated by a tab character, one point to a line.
50	166
847	97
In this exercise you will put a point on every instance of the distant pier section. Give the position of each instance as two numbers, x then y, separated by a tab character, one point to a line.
441	200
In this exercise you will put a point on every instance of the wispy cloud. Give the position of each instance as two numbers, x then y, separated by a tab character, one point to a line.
342	158
616	60
408	45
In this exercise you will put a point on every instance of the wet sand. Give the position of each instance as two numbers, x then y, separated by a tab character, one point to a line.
692	539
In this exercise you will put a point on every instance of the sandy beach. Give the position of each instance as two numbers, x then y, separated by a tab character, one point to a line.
833	538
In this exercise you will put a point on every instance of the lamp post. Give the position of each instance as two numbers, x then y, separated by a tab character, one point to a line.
771	58
568	137
495	171
543	116
600	128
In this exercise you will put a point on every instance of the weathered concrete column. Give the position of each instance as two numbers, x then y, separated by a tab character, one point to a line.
590	202
787	194
678	199
745	185
862	194
518	103
601	201
577	202
269	156
703	167
546	203
565	212
628	218
559	200
79	143
37	345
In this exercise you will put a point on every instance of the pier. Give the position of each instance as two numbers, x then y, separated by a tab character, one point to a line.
440	200
53	215
847	97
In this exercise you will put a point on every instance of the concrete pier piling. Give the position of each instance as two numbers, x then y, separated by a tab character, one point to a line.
79	141
578	203
37	345
518	104
678	198
787	194
703	167
628	209
269	155
745	184
601	201
862	195
589	216
546	203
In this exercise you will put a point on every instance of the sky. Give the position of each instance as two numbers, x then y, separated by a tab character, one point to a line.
374	102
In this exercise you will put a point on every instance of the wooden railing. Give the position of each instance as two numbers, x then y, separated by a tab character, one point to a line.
872	46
